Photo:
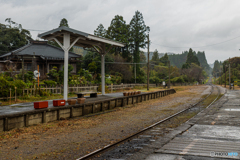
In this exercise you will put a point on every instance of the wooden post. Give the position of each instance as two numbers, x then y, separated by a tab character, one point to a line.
10	96
15	94
148	66
38	75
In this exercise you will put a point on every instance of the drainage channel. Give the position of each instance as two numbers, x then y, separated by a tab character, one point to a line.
126	147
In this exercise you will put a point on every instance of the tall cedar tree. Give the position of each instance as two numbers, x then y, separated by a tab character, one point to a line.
191	58
100	31
118	31
155	57
164	59
12	36
138	33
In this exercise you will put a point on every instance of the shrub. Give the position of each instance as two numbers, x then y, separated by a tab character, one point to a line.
50	83
20	85
106	89
5	87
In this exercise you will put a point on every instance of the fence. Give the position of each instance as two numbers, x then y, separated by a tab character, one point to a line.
33	90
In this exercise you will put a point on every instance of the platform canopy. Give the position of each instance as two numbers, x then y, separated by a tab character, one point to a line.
67	38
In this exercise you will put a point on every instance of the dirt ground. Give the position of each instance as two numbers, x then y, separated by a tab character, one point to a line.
73	138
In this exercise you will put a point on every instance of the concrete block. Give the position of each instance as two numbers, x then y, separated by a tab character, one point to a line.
15	122
64	113
97	107
88	109
1	125
51	116
77	111
130	100
112	105
35	119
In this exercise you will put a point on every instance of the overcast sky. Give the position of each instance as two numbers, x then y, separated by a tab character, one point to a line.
178	24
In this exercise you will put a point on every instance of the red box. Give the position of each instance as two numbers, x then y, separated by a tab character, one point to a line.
59	103
38	105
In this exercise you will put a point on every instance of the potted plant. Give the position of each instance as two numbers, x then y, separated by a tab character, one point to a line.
71	101
81	100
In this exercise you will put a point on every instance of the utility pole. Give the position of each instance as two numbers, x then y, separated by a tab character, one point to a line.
225	75
168	74
229	74
148	66
135	73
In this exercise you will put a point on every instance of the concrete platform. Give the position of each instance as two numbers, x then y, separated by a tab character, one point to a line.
21	107
215	134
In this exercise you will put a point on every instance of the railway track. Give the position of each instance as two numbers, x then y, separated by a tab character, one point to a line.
127	146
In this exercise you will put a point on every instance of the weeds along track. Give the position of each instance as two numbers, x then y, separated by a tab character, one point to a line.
127	146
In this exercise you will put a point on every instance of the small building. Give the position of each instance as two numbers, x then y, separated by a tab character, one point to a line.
38	53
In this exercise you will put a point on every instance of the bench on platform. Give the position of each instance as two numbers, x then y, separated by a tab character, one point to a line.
92	94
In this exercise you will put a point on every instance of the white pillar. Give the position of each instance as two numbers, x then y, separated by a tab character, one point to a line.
66	44
103	73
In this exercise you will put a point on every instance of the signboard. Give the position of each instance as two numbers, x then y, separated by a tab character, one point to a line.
163	83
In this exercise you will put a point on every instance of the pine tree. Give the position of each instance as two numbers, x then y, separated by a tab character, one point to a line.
138	33
100	31
63	22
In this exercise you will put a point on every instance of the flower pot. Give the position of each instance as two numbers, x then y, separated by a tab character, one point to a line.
71	101
135	92
57	103
132	93
138	92
81	100
43	104
125	93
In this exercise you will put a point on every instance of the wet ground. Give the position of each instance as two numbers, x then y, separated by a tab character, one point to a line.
22	107
212	134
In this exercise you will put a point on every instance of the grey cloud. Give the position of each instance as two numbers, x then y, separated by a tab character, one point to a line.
184	23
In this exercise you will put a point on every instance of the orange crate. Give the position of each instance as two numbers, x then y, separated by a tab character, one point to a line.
38	105
59	103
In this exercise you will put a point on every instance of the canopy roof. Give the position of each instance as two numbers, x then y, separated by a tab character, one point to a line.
85	40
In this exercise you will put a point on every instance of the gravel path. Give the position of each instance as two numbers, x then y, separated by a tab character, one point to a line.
71	139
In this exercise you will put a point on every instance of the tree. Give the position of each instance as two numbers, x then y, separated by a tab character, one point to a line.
138	33
164	59
191	58
63	22
100	31
155	57
118	31
12	36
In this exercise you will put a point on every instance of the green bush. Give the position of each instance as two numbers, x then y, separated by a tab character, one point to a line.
20	85
50	83
5	87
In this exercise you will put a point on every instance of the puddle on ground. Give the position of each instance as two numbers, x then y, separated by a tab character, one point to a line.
233	109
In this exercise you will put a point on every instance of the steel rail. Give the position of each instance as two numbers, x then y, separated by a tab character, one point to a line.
107	147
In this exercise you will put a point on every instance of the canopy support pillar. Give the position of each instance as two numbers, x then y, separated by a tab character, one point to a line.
103	73
66	47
